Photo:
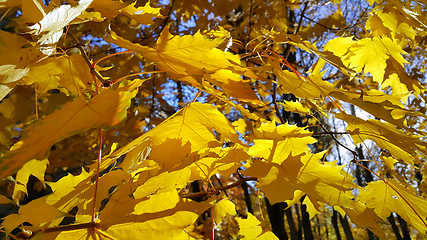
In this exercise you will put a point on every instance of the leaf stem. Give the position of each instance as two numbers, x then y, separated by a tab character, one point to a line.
97	174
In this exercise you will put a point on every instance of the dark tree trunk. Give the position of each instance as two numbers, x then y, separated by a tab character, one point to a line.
291	224
276	213
404	228
335	224
247	197
299	221
394	227
371	235
306	224
346	227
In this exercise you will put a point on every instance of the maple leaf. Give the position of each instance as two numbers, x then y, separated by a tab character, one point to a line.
36	212
277	143
321	182
186	58
218	160
75	117
401	145
17	54
311	87
143	15
387	196
252	228
71	73
222	208
189	130
49	29
364	217
377	103
34	167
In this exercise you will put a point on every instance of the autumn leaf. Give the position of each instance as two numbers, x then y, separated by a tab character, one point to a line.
36	212
74	117
321	182
37	168
277	143
251	228
385	197
189	130
18	55
365	217
401	145
69	74
49	29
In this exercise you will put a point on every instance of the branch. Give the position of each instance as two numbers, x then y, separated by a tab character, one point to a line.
339	143
217	190
329	133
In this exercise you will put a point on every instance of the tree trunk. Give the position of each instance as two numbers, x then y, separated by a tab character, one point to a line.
247	197
346	227
306	224
335	224
276	213
291	224
394	227
404	228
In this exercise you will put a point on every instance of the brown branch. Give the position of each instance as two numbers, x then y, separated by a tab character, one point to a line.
329	133
92	70
217	190
339	143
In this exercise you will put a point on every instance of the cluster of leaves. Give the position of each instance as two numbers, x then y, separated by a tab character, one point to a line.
59	112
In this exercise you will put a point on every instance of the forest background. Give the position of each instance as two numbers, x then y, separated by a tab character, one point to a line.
240	119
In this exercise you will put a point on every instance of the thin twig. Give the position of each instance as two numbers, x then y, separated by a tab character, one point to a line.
339	143
329	133
219	189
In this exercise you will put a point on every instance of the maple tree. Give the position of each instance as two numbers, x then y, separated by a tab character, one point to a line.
140	118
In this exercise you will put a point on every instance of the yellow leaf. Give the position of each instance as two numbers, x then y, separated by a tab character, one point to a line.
34	167
377	103
310	87
186	58
386	136
78	191
35	212
104	110
277	143
33	10
143	15
157	202
234	85
389	161
51	26
71	73
222	208
325	183
365	217
371	54
17	54
188	131
217	160
296	107
251	228
385	197
160	183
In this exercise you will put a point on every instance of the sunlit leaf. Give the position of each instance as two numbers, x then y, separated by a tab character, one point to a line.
104	110
385	197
